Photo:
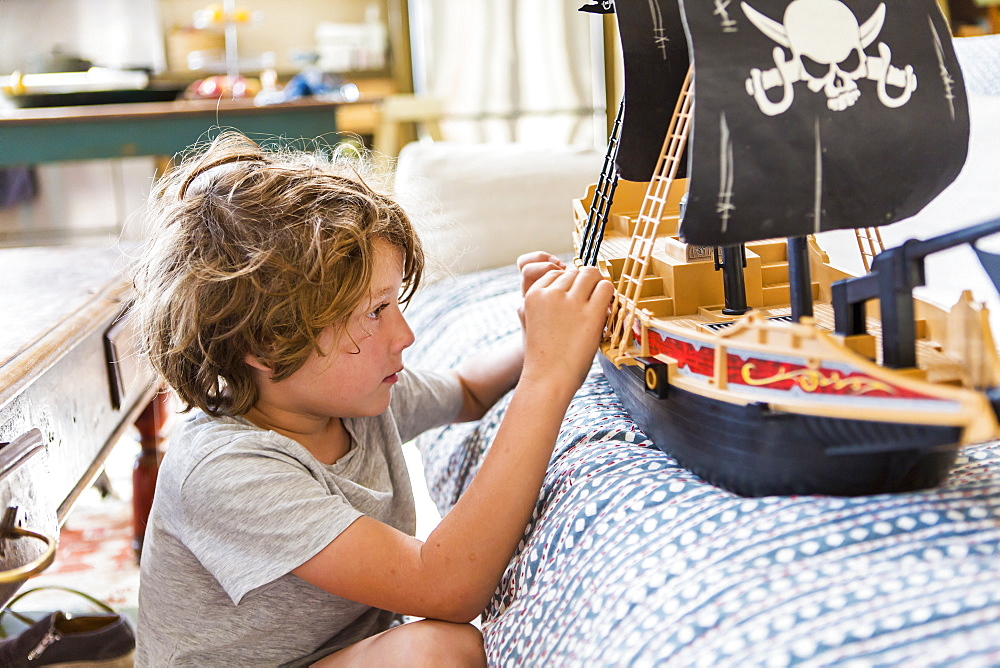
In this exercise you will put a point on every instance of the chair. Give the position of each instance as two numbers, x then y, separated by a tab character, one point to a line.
395	111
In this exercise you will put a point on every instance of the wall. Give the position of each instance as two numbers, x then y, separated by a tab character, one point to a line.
92	200
111	33
80	199
288	26
130	33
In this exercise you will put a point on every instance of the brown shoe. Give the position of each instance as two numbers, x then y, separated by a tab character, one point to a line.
64	639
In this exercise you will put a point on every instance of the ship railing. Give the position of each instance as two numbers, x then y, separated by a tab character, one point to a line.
894	274
869	243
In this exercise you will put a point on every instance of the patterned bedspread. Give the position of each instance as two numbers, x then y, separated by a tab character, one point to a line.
632	560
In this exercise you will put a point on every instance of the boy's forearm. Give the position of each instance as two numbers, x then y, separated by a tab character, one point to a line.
476	539
487	377
453	574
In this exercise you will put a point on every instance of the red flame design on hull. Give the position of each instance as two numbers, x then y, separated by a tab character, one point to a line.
749	371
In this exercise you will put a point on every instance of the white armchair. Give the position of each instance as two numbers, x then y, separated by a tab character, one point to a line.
481	205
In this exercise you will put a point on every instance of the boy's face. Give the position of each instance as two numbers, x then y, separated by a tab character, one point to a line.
354	378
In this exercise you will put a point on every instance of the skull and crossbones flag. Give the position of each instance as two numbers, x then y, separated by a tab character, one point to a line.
814	115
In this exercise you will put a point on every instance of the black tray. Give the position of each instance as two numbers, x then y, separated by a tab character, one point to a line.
153	94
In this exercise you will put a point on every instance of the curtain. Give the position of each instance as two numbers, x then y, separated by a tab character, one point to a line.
512	70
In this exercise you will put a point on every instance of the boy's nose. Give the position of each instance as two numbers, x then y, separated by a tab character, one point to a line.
404	336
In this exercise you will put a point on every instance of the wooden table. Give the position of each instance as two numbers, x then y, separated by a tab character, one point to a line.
70	384
59	134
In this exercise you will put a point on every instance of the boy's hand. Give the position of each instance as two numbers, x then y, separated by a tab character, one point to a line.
534	265
563	318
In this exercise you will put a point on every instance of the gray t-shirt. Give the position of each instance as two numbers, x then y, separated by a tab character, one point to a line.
237	508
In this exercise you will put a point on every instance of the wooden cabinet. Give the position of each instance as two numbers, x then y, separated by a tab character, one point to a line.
70	384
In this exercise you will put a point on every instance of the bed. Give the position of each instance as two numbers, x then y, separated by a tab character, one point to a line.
630	559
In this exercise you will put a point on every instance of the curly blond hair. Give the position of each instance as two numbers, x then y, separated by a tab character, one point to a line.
255	251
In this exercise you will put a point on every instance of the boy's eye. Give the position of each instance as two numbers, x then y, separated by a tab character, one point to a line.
377	313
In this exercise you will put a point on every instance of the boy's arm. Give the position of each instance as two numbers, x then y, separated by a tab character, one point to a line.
488	376
453	574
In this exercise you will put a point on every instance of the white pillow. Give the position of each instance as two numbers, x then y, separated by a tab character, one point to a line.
479	206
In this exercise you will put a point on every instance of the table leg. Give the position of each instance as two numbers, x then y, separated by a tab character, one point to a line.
150	424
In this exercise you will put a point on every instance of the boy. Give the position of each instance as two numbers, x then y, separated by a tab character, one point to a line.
282	530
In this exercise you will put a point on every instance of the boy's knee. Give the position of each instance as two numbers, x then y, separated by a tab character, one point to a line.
447	643
470	642
428	643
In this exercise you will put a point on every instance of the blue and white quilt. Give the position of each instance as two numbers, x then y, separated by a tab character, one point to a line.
632	560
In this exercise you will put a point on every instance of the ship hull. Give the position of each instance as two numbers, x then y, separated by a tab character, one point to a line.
753	450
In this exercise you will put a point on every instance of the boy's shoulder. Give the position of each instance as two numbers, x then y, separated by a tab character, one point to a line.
416	384
203	437
208	431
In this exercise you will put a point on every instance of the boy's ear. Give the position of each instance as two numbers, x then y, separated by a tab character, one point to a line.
252	360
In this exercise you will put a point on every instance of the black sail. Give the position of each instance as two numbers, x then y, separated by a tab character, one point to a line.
815	115
655	52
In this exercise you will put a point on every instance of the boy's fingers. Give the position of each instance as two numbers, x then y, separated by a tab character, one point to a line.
538	256
604	293
605	288
527	258
566	279
537	269
587	279
548	278
582	283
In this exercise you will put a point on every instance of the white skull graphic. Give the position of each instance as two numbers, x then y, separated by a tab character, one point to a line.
825	37
828	53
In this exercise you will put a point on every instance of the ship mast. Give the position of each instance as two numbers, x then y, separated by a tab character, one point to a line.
799	278
640	252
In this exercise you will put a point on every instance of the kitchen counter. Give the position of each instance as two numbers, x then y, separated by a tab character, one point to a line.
59	134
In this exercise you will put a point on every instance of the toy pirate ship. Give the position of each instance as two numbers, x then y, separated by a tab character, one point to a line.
735	344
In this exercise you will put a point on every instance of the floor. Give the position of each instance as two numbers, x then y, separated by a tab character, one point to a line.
95	553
